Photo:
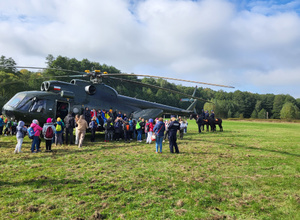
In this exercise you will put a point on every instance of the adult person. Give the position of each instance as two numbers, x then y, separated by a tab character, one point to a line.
59	132
70	125
76	129
82	126
199	122
143	124
48	134
1	124
35	146
167	131
87	115
173	127
206	114
212	114
159	130
203	114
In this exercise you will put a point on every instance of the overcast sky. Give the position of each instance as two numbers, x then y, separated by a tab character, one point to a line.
251	45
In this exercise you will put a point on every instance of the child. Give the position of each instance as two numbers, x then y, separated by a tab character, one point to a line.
149	129
36	140
93	127
59	132
20	133
48	136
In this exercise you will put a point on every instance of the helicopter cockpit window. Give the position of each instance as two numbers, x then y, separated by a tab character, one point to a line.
38	106
16	100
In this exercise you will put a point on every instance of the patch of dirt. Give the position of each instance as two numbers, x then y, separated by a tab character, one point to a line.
180	211
41	190
35	166
81	203
32	208
179	203
97	215
52	207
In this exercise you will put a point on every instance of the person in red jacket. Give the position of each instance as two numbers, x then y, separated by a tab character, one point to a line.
36	140
149	127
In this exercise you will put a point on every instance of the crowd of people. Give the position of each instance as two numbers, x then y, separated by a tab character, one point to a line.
117	127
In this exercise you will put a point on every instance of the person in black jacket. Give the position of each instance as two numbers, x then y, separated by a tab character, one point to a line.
69	125
199	122
173	127
87	115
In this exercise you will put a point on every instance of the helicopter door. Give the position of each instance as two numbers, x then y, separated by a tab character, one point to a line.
62	109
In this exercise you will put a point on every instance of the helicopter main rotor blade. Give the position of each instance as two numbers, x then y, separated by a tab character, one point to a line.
162	77
158	87
44	68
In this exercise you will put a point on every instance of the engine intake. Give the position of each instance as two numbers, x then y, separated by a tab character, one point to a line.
91	89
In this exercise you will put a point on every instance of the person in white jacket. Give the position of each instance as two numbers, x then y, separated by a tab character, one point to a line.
21	131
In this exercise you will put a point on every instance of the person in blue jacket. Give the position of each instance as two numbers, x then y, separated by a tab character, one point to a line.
159	130
173	127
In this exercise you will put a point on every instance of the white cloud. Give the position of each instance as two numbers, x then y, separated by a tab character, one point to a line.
208	40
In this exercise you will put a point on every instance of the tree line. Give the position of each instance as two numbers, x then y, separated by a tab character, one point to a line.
235	104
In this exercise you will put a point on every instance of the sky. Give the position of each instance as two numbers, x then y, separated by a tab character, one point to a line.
249	44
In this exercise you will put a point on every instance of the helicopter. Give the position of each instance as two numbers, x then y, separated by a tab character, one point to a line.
58	98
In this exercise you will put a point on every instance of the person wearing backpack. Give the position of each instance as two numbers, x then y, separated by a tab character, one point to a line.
35	146
118	128
70	125
21	131
109	130
59	131
48	132
126	128
131	128
93	127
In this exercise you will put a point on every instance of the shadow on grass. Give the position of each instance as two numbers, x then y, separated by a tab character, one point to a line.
246	147
41	181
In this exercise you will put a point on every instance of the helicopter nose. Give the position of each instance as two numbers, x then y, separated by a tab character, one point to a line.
8	113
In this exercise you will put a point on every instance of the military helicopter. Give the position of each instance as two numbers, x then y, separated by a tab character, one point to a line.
58	98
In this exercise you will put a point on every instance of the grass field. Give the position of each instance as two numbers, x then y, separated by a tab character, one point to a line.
249	171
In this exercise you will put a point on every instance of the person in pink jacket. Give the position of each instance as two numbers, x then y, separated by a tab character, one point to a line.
36	140
149	126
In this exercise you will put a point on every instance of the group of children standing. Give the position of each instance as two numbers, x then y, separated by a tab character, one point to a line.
116	128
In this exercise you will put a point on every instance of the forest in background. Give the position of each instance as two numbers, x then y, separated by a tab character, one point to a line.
235	104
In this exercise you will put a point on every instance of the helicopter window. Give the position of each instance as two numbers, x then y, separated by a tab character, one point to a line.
16	100
38	106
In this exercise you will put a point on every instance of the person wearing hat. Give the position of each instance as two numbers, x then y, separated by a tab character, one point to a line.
59	132
48	136
173	127
206	114
212	114
36	140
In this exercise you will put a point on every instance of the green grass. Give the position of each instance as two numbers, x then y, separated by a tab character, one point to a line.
249	171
